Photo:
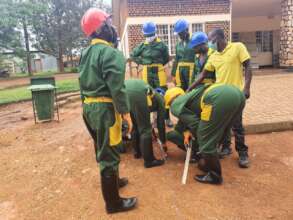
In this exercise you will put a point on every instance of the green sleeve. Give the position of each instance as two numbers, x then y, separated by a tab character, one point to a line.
136	54
161	112
113	69
190	120
165	54
175	63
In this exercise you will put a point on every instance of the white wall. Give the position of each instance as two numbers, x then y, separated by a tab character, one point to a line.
259	23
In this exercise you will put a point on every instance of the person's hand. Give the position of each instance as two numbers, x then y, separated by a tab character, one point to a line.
187	137
246	92
127	118
174	80
165	148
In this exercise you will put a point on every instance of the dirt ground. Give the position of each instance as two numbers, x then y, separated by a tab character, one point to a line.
48	171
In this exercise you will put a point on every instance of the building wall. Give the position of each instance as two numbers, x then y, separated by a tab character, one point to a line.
138	8
211	13
257	23
286	34
225	25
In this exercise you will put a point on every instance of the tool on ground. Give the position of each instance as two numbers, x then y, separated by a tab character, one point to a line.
163	153
187	160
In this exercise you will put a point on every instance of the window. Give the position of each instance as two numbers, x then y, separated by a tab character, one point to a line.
235	37
264	41
166	34
196	27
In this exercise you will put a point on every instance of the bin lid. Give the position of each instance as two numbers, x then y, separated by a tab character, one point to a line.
41	87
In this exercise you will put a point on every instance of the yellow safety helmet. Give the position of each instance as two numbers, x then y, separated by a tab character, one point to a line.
171	94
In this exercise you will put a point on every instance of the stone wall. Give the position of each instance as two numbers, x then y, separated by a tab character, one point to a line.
286	35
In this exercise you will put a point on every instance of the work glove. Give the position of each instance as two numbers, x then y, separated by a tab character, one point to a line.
127	118
187	137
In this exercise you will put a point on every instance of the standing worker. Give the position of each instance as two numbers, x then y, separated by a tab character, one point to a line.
102	73
183	64
207	112
199	44
228	61
153	54
144	100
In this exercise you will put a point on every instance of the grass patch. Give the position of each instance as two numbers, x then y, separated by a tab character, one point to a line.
22	93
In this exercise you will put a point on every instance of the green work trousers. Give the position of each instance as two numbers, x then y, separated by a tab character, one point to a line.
99	118
226	102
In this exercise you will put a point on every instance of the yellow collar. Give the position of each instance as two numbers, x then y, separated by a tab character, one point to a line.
229	44
100	41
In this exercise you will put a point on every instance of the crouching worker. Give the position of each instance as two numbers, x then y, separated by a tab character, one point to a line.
102	73
144	100
207	112
176	136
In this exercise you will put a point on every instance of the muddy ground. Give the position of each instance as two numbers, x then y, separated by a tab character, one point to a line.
48	171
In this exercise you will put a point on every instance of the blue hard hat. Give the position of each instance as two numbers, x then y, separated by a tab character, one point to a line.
149	28
160	91
197	39
180	26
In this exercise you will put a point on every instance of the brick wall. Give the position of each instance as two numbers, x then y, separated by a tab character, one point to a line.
135	35
177	7
209	26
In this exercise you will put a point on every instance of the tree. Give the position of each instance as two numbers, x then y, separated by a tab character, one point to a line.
17	15
58	31
10	37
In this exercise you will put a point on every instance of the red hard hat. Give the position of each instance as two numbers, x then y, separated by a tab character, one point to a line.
92	20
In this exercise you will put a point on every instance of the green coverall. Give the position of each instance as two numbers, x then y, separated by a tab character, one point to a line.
102	74
153	56
208	112
183	65
143	100
198	68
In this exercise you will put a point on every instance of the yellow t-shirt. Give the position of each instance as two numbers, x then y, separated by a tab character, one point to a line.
228	64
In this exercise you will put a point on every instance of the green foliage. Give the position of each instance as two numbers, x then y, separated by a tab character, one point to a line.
71	70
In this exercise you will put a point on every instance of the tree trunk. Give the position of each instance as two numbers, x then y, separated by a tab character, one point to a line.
60	59
27	47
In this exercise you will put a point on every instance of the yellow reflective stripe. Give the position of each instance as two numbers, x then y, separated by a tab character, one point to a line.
206	112
206	109
161	73
100	41
149	100
116	130
177	74
89	100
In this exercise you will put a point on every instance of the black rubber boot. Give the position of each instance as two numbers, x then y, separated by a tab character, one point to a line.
243	159
122	182
214	174
148	154
195	156
135	144
153	163
225	151
114	203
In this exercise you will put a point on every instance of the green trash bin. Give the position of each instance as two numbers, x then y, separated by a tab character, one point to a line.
43	101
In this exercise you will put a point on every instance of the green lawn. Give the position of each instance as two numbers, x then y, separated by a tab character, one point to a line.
22	93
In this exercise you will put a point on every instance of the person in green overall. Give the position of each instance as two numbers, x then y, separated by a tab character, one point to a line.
199	44
101	78
153	55
143	100
207	112
183	64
